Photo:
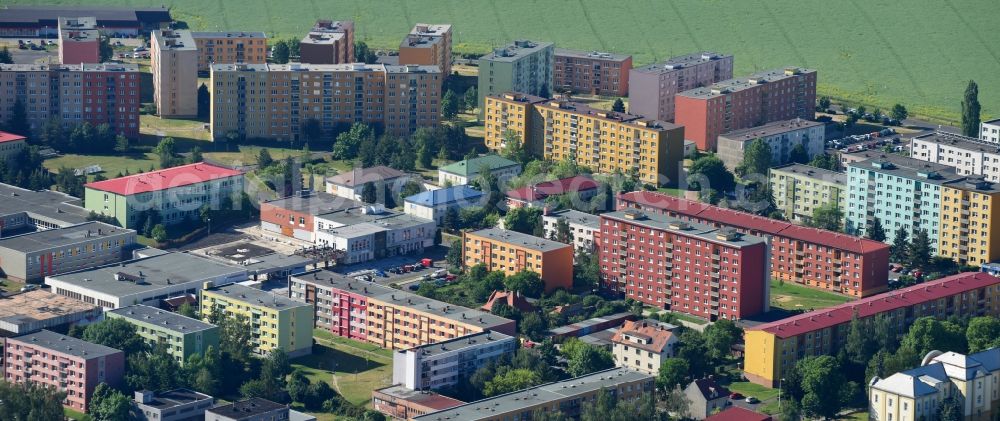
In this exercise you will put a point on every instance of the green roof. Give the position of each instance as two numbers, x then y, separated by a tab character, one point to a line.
472	166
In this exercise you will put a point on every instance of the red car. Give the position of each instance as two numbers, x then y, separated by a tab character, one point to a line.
736	396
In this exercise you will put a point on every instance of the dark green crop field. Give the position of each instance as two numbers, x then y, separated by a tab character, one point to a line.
917	52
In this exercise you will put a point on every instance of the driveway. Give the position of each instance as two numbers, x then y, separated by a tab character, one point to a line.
436	253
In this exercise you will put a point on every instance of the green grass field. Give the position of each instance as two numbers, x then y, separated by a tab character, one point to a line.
352	368
874	51
790	296
752	389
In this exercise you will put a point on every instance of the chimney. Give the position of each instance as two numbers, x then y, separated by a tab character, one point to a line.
144	396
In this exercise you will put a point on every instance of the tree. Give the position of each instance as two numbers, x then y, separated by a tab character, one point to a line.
618	106
511	380
859	346
918	252
195	156
983	333
204	101
798	154
187	310
900	245
105	50
364	54
369	194
822	384
425	156
563	232
411	188
166	151
454	257
824	103
585	358
532	325
828	217
950	409
17	121
756	159
347	143
122	144
280	52
5	57
115	333
156	369
899	113
108	404
523	219
526	282
970	110
159	233
30	402
514	149
875	231
825	161
673	373
720	338
264	159
708	172
471	98
928	334
449	105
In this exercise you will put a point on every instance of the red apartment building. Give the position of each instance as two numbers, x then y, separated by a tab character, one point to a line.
591	72
329	42
686	267
734	104
842	263
49	359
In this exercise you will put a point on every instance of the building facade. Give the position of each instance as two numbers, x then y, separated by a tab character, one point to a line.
604	141
31	21
442	364
511	252
828	260
434	205
427	45
764	97
11	145
182	336
230	47
39	309
351	184
276	321
990	131
580	188
399	403
799	190
652	88
464	171
171	405
582	226
174	64
102	93
387	317
79	40
61	362
643	346
967	155
705	397
328	42
294	216
177	193
591	72
970	221
686	267
522	66
33	256
274	101
375	235
772	349
781	136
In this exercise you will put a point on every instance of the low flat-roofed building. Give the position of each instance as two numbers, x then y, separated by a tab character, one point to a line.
261	263
373	232
442	364
144	280
36	310
23	210
182	335
255	409
461	172
400	403
33	256
291	321
293	216
11	144
435	204
568	395
171	405
586	327
580	188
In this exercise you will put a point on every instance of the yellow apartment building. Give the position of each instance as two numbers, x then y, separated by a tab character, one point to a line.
275	320
969	221
515	113
511	252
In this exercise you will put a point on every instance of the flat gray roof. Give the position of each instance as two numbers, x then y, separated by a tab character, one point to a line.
573	327
50	205
164	319
316	203
420	41
61	237
459	343
358	215
520	239
538	395
911	168
257	297
66	344
254	258
175	398
178	39
247	408
228	34
686	228
324	278
958	141
154	272
738	84
359	176
814	173
771	129
573	216
677	63
431	29
516	50
591	55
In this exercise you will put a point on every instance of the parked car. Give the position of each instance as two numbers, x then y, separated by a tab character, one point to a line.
752	400
450	277
138	49
736	395
414	286
29	287
381	273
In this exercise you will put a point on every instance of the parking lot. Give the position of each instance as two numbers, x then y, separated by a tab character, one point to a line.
436	254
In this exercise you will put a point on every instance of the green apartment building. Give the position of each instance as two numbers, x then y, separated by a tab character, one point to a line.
276	321
183	336
177	193
523	66
799	189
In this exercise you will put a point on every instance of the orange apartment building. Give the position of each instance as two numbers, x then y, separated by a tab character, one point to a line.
511	252
328	42
604	141
591	72
427	45
230	47
273	101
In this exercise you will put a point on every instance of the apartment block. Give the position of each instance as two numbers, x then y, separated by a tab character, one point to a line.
781	137
229	47
523	66
970	221
11	145
388	317
651	89
643	346
255	409
464	171
582	226
799	190
276	321
604	141
178	193
511	252
32	311
33	256
102	93
170	405
989	131
917	393
442	364
591	72
274	101
901	192
61	362
568	396
174	64
764	97
682	266
828	260
328	42
79	40
772	349
183	336
967	155
399	403
427	45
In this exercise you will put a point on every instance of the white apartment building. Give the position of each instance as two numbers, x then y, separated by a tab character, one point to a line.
989	131
969	156
441	364
581	227
643	345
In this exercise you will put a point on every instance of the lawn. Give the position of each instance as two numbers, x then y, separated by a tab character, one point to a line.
752	389
864	50
111	164
177	128
74	415
10	286
352	368
790	296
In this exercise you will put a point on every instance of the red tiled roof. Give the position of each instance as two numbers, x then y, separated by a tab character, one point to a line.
865	307
658	334
736	413
548	188
512	298
754	222
9	137
163	179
